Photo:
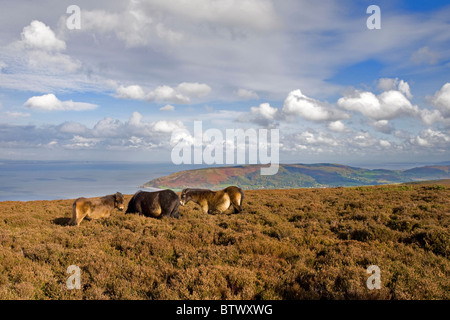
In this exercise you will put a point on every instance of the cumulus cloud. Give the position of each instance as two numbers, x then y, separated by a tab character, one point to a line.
135	126
316	138
385	144
388	105
337	126
49	102
382	126
130	92
441	111
167	126
37	62
429	117
403	87
106	134
79	142
73	128
363	139
182	94
320	142
441	99
308	108
193	89
430	138
166	93
264	114
108	128
388	84
39	36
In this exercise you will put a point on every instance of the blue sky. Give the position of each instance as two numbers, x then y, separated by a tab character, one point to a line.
136	72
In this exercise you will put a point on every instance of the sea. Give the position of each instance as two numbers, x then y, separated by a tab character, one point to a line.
53	180
22	180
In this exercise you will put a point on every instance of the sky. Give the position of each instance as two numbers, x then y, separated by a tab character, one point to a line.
129	81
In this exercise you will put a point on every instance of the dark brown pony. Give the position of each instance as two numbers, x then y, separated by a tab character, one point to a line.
156	204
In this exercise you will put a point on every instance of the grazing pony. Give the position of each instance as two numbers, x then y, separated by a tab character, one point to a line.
156	204
214	202
95	208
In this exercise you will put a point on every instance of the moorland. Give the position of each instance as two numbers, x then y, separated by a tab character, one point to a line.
286	244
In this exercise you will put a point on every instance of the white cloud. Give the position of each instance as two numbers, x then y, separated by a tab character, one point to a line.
166	93
73	128
167	126
432	139
39	36
37	63
385	144
403	87
49	102
265	110
430	117
363	139
43	50
135	119
131	92
388	105
135	126
167	107
389	84
382	126
108	128
320	138
193	89
182	94
264	115
298	104
247	94
79	142
337	126
441	99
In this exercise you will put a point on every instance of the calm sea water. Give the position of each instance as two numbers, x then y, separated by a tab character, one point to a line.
51	180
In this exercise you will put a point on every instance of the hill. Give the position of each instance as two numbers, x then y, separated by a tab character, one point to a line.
287	244
294	176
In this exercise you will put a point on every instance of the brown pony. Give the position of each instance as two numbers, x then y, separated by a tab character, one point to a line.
94	208
213	202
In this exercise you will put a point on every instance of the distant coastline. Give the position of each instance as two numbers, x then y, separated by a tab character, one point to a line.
318	175
27	180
